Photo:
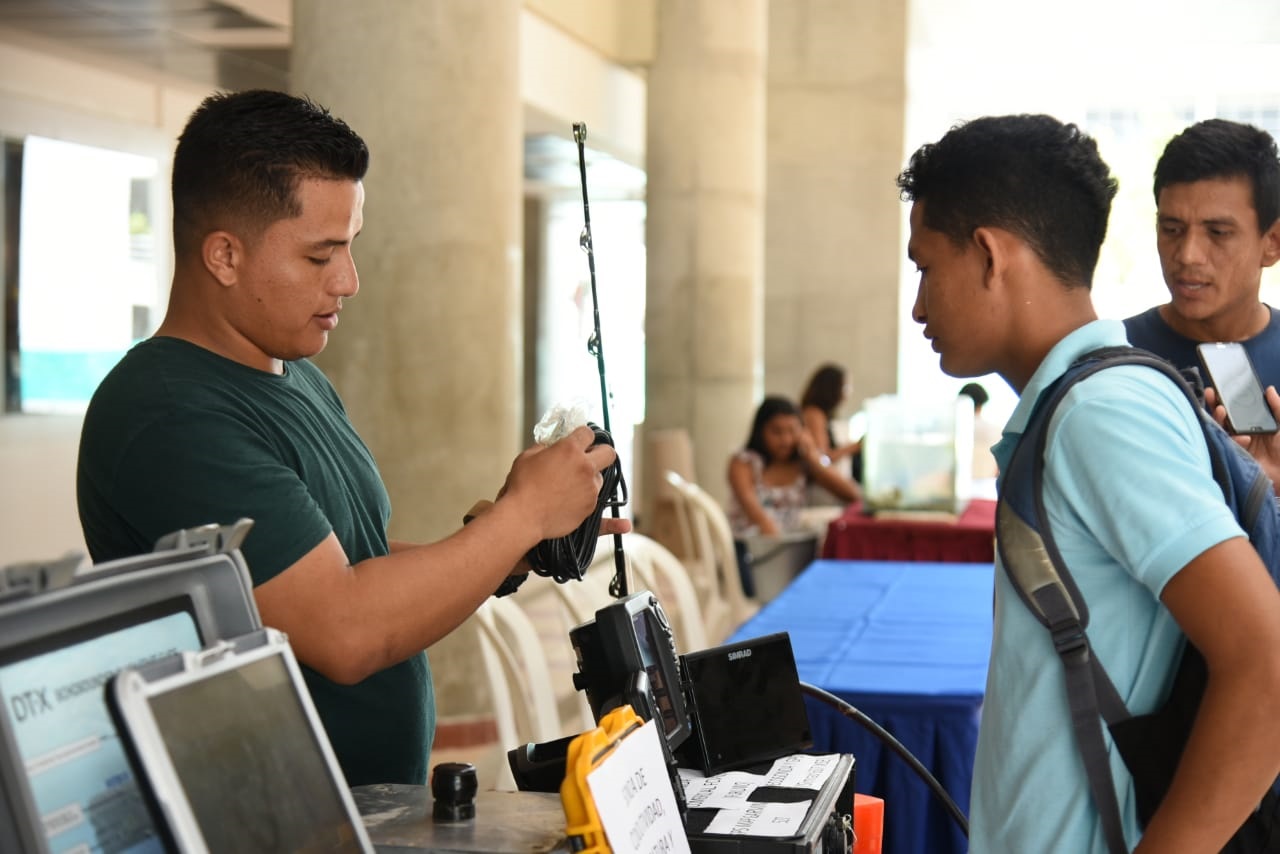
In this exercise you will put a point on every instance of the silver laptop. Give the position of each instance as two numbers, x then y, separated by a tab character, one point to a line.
230	753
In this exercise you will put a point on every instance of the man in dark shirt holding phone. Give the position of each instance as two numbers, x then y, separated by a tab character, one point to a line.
1217	190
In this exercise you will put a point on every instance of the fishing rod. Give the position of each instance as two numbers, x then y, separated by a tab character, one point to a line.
595	346
568	557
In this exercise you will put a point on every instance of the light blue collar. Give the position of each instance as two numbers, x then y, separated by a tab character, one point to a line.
1091	336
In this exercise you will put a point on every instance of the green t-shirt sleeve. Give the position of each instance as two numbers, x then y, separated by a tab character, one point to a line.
193	468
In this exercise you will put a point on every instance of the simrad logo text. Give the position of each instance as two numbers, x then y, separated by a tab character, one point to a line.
739	653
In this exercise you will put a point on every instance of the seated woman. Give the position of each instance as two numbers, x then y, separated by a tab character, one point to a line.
823	394
769	479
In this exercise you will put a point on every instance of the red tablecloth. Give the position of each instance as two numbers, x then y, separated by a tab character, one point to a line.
968	539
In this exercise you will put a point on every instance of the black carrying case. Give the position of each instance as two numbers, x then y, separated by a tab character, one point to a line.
827	827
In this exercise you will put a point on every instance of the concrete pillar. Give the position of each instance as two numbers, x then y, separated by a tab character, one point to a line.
836	89
705	226
427	355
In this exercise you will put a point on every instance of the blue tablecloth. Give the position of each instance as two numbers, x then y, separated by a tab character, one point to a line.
907	644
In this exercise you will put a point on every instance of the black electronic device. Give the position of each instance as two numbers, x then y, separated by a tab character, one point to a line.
540	767
627	656
1239	390
745	703
64	630
717	709
230	752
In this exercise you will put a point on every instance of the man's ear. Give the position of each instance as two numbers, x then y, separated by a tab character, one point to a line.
993	243
1271	244
222	253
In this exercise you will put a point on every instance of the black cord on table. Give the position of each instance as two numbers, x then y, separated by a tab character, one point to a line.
896	746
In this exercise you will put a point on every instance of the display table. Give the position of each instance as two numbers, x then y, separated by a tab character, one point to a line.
398	819
907	644
969	538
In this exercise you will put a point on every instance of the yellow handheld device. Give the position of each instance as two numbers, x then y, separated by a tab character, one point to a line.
582	820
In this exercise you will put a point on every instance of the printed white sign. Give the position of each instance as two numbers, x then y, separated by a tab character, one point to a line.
801	771
761	819
729	790
632	793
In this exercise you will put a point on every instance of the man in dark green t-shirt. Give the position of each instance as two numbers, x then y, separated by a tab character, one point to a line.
221	416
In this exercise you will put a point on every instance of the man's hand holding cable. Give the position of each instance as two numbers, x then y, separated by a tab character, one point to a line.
560	484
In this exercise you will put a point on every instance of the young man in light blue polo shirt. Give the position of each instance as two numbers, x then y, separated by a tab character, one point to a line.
1008	217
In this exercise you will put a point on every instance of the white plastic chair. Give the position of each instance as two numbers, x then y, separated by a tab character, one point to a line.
561	607
713	564
581	599
519	679
656	569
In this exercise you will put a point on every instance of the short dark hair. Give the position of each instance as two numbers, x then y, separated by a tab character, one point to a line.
825	388
769	408
241	154
977	392
1218	148
1032	175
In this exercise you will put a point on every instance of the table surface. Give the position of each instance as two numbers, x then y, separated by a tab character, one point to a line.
907	644
398	819
969	538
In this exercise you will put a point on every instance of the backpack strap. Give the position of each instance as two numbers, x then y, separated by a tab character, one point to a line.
1038	574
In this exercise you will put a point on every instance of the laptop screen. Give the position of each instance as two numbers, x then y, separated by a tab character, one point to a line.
249	763
77	770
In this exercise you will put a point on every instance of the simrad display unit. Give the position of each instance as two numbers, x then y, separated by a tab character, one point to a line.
746	704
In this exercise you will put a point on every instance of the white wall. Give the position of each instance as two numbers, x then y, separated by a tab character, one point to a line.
45	93
37	487
1099	64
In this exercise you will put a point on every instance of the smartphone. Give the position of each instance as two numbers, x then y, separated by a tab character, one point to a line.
1231	373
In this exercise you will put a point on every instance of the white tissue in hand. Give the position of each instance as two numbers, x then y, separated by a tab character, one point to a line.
560	421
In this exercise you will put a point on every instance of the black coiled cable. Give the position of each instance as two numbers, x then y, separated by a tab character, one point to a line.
567	558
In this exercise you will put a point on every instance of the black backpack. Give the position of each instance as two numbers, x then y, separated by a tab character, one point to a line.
1151	744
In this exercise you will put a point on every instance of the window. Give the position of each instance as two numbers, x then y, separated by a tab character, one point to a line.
86	284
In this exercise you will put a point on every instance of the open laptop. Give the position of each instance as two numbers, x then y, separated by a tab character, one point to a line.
230	753
65	783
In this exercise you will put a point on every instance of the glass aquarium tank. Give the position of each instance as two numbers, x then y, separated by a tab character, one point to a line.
918	454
